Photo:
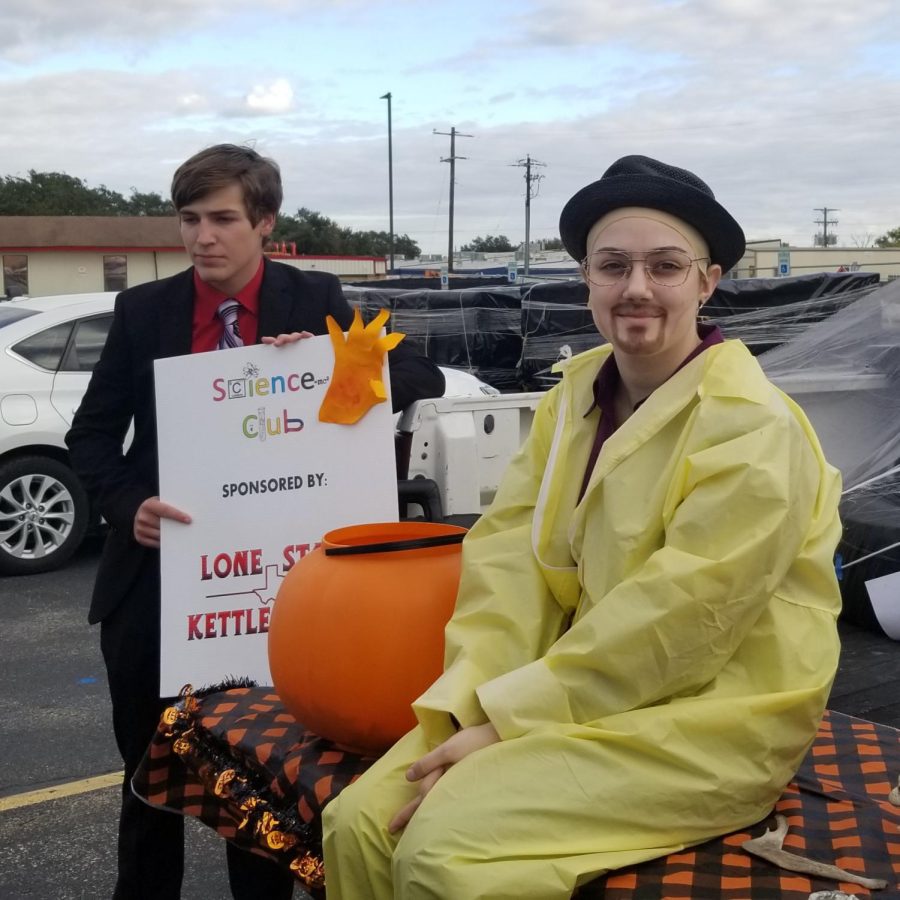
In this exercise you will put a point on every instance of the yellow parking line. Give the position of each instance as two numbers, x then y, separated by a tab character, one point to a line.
69	789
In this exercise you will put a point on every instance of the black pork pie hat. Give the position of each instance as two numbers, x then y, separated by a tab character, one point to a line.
641	181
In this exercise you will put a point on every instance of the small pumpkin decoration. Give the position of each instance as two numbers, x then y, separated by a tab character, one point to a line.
357	632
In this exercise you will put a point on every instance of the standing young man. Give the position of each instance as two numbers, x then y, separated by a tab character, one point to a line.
227	198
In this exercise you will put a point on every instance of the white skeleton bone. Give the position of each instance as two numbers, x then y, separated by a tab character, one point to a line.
831	895
894	795
769	847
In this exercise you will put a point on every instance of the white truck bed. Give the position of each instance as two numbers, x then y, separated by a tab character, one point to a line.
464	444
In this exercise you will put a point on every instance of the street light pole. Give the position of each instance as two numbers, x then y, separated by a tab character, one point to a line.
387	97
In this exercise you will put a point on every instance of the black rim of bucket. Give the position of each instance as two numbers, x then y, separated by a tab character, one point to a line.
438	540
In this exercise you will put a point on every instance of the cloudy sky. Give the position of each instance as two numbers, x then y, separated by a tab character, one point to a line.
782	106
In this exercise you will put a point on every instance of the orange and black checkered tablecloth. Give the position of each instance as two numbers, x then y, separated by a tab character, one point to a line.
238	761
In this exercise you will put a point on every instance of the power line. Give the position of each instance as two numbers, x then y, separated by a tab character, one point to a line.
452	134
825	222
532	182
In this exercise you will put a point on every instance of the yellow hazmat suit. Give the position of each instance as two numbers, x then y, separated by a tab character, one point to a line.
655	658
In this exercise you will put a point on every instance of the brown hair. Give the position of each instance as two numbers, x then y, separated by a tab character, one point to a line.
218	167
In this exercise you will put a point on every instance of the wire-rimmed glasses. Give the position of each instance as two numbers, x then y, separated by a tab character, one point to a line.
667	268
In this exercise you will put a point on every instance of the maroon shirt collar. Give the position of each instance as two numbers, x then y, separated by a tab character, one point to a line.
607	381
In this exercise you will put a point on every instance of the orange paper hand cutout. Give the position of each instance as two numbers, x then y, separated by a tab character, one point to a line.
356	384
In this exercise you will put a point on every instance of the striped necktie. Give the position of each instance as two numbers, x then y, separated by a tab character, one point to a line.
231	334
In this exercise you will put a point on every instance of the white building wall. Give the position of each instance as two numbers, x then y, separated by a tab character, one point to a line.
884	261
341	266
79	272
166	264
64	273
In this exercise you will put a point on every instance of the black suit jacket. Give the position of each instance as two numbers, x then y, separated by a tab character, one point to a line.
154	321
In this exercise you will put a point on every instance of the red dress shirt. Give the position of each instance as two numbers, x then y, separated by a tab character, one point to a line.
207	326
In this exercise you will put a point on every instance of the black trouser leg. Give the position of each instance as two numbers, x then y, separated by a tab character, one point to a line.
151	841
254	877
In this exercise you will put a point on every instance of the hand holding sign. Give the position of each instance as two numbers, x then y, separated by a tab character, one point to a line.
147	520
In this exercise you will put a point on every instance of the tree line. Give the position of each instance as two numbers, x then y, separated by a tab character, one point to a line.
310	232
313	233
500	243
890	239
58	194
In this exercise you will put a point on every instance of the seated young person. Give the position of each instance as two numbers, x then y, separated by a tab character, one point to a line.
645	632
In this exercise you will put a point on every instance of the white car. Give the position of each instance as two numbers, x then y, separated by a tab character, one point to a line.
48	348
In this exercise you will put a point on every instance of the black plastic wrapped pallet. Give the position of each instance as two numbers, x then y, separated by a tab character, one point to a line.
784	306
372	302
556	322
742	294
421	282
475	330
871	533
511	336
860	539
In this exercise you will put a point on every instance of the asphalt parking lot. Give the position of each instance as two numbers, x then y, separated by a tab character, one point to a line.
56	737
57	827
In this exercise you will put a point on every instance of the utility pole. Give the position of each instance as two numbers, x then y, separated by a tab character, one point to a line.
387	97
825	222
531	181
453	134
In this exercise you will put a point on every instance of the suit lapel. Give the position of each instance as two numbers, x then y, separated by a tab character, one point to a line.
275	302
176	316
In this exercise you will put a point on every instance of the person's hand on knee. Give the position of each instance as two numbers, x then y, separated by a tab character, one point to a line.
428	770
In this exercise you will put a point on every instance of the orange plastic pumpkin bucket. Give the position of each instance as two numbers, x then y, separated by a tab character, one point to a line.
357	632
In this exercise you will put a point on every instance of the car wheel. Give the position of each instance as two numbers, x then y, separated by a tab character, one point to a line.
44	514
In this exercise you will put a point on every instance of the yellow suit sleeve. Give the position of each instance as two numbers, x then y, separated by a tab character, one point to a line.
506	615
742	507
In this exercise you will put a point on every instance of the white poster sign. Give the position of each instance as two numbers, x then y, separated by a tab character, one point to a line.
884	592
242	451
